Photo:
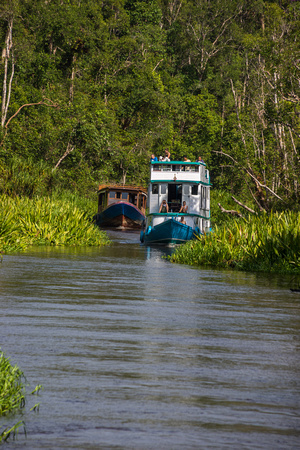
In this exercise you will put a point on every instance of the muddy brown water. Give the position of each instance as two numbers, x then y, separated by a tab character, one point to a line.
134	352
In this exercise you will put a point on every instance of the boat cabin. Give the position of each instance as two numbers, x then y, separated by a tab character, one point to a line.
110	194
176	182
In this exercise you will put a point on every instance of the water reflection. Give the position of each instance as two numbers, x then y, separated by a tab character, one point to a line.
135	352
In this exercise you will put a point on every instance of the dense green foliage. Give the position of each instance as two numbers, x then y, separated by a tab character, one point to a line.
45	221
91	88
264	243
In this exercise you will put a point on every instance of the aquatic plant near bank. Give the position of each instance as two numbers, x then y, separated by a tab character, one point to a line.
43	221
12	394
268	243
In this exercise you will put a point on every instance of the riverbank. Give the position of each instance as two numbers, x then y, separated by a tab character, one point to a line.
267	243
46	221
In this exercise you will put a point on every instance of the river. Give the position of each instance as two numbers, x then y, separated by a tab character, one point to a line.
134	352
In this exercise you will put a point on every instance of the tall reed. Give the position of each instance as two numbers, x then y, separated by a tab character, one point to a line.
266	243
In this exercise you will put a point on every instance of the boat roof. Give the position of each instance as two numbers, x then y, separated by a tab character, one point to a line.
122	187
188	163
179	172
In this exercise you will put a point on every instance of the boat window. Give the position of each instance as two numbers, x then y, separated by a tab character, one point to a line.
101	199
154	188
163	189
176	168
203	197
118	194
124	195
156	168
195	189
112	194
132	199
186	189
167	168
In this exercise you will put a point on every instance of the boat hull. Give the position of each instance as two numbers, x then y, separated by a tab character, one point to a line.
121	215
169	232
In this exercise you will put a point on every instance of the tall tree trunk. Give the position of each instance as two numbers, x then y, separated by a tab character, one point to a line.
71	92
7	54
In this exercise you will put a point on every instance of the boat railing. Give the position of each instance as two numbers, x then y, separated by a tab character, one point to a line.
177	214
170	167
173	214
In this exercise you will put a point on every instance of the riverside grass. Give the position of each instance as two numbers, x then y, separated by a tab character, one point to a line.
269	243
45	221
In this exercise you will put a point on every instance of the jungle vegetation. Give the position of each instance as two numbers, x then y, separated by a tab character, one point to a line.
266	242
91	88
47	221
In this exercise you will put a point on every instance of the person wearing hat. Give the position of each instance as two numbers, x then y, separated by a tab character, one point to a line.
164	208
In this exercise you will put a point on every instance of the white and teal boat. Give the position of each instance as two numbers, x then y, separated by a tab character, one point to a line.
177	182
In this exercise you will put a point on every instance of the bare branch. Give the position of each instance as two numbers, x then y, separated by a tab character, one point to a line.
230	211
293	98
70	148
174	9
224	26
250	174
157	65
54	105
243	206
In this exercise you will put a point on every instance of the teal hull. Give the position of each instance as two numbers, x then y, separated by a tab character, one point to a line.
169	232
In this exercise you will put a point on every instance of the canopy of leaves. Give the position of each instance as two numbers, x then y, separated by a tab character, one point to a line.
91	88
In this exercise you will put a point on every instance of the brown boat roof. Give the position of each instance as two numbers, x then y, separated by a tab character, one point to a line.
122	187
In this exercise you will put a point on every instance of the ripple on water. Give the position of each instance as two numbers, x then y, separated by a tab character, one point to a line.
134	352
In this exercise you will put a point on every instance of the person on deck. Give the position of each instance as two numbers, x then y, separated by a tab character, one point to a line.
200	159
167	156
182	220
153	158
187	168
184	208
164	208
